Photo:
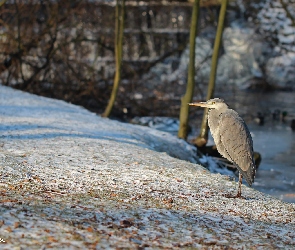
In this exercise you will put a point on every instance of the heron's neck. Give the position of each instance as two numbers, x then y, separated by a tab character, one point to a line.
216	112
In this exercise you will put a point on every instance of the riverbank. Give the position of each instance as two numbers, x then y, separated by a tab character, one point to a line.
70	179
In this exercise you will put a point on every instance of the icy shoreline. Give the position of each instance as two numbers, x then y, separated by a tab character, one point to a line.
70	179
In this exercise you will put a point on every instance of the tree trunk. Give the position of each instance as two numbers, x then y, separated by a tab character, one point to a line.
119	28
202	139
2	2
187	98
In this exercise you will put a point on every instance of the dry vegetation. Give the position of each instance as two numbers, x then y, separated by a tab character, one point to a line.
65	49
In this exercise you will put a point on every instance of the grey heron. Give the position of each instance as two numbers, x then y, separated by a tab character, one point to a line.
232	138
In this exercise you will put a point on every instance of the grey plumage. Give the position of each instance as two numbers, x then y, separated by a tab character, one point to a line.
232	138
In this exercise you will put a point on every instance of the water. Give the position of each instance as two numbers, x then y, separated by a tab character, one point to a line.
276	174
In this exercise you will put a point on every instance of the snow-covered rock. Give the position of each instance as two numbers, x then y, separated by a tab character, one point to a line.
242	48
246	54
275	22
276	19
280	71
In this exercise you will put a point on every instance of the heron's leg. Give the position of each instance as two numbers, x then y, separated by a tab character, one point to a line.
239	194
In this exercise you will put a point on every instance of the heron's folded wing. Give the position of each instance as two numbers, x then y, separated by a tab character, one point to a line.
237	141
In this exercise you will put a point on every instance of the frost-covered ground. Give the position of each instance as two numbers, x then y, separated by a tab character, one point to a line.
72	180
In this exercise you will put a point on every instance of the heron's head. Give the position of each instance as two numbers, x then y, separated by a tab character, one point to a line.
215	103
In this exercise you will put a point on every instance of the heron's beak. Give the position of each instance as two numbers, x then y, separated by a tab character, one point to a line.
200	104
